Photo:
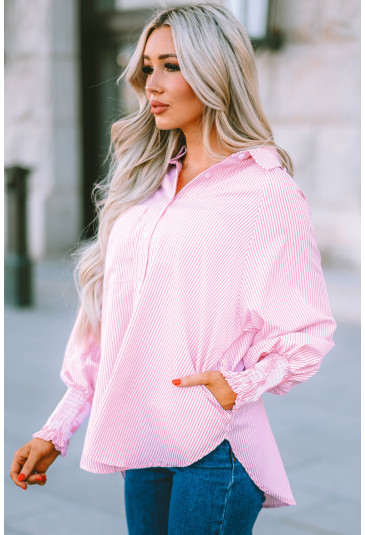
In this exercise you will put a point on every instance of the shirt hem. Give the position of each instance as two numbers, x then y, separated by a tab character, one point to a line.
96	467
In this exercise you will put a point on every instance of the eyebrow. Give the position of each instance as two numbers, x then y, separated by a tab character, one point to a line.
163	56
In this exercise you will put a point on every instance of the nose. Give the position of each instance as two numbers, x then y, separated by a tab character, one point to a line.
153	83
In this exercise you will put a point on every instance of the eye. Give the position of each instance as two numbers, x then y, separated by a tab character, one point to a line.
146	69
172	67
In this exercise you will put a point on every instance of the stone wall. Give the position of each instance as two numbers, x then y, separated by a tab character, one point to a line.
311	93
42	119
310	90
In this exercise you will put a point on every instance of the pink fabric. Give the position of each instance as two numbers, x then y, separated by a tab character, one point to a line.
225	275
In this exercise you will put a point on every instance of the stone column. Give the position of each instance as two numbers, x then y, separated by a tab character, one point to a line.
42	118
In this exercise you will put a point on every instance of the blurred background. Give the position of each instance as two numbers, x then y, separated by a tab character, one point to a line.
62	61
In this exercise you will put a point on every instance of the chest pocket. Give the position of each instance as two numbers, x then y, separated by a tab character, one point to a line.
123	246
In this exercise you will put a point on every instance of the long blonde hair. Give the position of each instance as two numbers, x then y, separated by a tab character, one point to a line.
216	58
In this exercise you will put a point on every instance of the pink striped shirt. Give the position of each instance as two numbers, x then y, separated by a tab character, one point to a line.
225	275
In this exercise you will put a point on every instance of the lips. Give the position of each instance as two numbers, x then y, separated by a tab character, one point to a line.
158	107
157	104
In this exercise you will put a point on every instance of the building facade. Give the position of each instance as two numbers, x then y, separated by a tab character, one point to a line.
62	59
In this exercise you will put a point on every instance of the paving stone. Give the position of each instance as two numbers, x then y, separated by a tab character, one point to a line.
66	516
322	458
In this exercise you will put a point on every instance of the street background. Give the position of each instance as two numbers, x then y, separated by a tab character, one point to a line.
317	425
62	62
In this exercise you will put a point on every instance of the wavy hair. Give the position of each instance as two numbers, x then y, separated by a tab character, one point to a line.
223	76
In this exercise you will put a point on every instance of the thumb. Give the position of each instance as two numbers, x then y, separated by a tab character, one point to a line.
192	380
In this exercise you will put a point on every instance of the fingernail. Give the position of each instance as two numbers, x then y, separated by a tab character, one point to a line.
24	488
40	478
176	381
21	477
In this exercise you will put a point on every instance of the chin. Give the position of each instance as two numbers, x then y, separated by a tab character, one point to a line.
161	125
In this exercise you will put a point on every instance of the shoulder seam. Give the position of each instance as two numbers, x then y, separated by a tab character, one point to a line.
266	158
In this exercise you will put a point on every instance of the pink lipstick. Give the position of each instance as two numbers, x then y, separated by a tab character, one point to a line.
158	107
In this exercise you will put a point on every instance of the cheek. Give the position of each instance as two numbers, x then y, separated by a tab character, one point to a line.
183	91
191	102
195	105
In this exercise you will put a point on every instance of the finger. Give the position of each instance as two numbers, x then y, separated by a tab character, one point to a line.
193	380
32	479
15	469
28	466
37	479
14	477
214	378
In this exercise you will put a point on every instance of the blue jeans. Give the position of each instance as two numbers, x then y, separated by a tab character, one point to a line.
213	496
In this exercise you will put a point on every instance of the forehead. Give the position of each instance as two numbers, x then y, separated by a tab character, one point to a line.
160	41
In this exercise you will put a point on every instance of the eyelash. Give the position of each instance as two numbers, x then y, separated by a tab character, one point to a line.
148	70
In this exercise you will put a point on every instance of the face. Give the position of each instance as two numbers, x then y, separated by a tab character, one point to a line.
166	85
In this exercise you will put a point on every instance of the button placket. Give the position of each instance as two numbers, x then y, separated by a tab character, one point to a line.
143	259
142	254
147	234
145	245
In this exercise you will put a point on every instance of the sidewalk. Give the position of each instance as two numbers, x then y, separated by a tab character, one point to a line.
317	426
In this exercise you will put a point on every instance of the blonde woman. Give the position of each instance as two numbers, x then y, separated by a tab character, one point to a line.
202	290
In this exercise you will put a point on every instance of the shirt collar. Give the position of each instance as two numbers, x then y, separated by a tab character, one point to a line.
265	157
179	155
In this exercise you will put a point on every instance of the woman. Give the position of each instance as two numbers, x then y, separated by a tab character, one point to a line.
202	290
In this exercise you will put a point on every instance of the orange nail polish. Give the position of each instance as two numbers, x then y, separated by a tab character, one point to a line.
21	477
176	381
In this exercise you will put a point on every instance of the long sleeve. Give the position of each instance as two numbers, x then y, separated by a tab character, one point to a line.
78	372
283	297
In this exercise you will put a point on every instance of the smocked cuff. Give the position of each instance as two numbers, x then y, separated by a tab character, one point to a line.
55	437
71	411
252	383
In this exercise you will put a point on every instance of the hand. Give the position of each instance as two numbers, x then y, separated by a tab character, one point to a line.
216	383
31	462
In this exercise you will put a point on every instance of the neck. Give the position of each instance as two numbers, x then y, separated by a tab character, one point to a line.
196	157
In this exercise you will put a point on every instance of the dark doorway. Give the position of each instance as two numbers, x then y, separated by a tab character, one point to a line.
108	37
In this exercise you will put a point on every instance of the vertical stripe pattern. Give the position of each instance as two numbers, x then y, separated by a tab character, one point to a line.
224	275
